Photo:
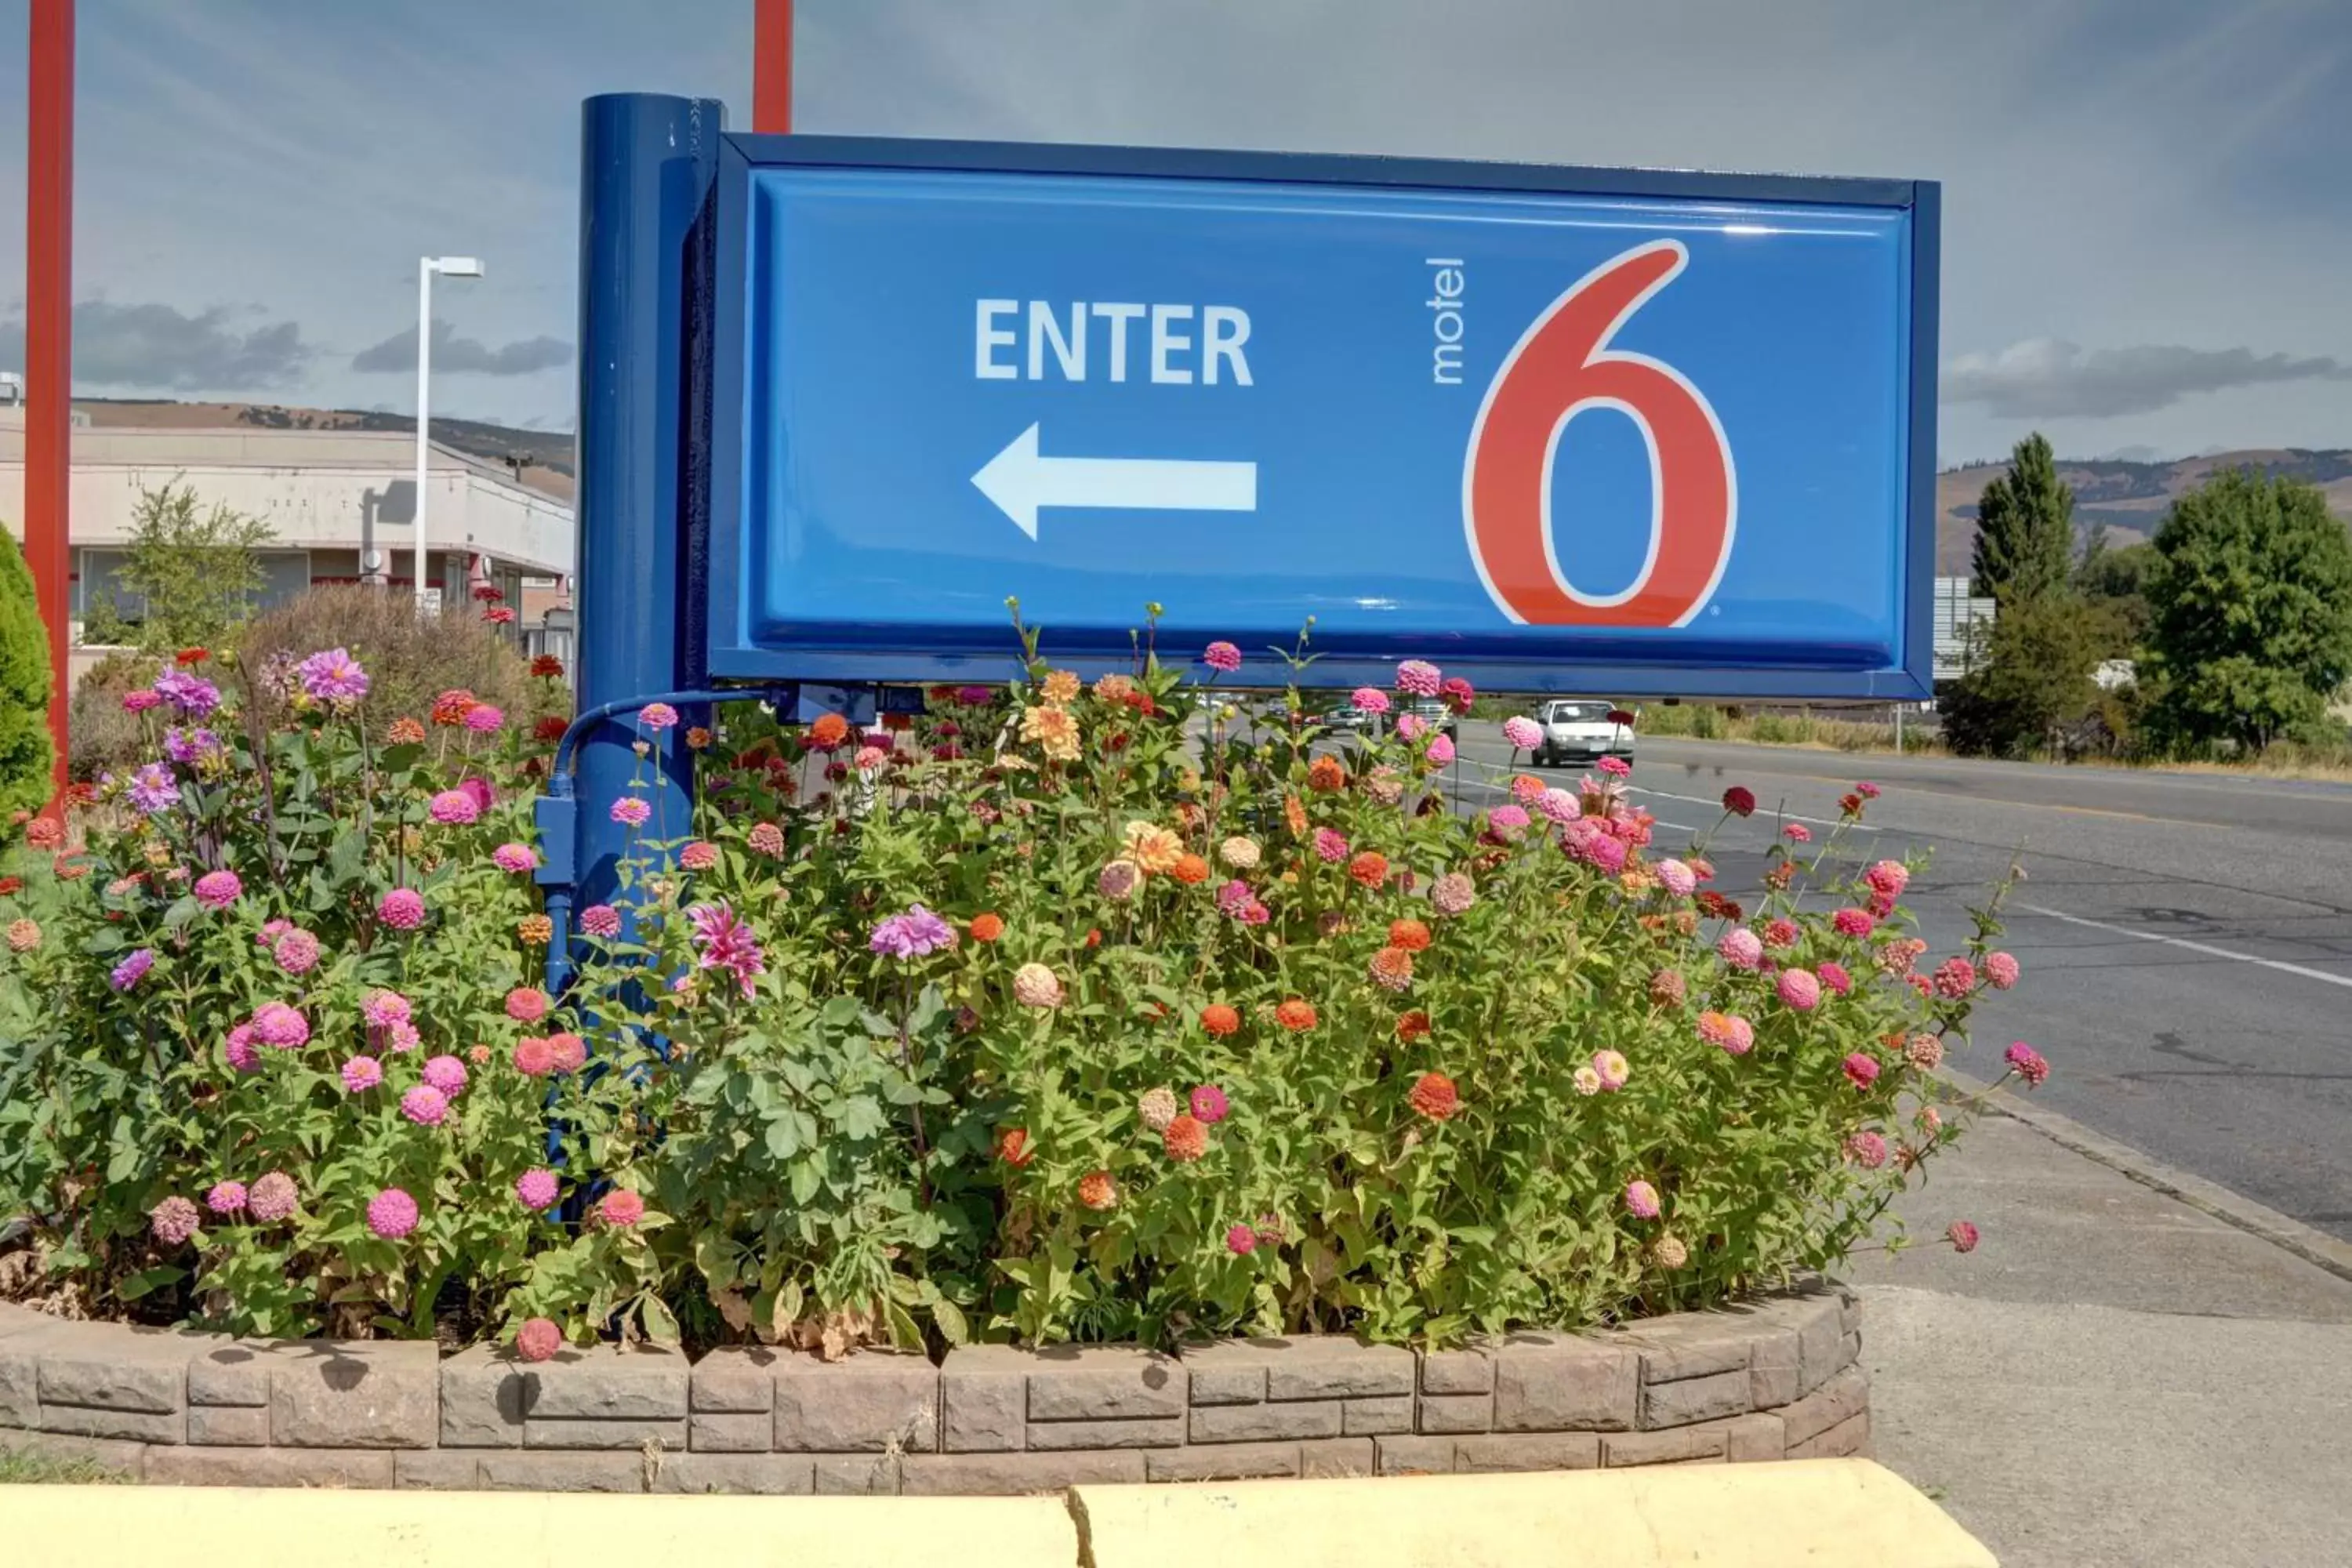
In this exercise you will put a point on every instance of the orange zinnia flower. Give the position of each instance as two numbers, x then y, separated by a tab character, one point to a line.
1190	869
1097	1191
1409	934
1413	1025
987	927
1013	1147
1186	1139
1293	812
1296	1014
829	730
1220	1019
1369	868
1434	1096
1325	774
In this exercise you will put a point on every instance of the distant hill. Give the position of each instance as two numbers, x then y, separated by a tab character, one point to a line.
540	459
2129	496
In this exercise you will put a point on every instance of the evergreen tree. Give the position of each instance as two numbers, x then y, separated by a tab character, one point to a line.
26	752
2252	595
2025	527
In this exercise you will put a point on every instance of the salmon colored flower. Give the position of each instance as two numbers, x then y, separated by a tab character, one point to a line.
1097	1191
1391	969
1013	1147
1220	1019
1060	688
1186	1139
1052	730
1433	1095
1295	1015
1413	1025
1369	868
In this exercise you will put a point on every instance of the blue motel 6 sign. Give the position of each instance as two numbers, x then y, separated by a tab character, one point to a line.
1563	429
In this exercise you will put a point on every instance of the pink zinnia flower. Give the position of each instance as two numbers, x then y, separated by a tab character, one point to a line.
226	1197
1867	790
392	1213
2001	968
383	1009
1800	989
174	1220
1852	922
1834	978
1861	1070
141	701
1732	1033
1613	1069
361	1074
1208	1104
483	720
622	1207
273	1197
446	1074
424	1105
402	1036
601	921
1741	948
2028	1062
1410	726
1887	879
276	1024
1955	978
218	890
238	1048
535	1189
1241	1241
1559	805
1453	893
1508	819
657	717
538	1340
454	807
533	1056
699	856
1524	733
631	811
1798	833
1642	1200
723	942
1369	699
1441	750
1961	1235
403	909
1677	877
526	1004
1867	1150
1221	657
1330	846
570	1052
515	858
297	951
1615	766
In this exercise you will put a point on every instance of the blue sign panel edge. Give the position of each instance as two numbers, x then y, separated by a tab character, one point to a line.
734	655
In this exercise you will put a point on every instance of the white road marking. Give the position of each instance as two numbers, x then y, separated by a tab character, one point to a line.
2283	967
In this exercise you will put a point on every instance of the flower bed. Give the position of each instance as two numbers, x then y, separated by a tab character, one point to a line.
1042	1016
1777	1378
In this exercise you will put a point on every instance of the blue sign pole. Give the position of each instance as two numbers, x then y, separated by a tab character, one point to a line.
648	165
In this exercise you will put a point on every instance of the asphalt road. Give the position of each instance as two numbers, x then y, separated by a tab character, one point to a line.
2187	939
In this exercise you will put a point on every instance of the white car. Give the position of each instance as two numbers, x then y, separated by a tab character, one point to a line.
1581	732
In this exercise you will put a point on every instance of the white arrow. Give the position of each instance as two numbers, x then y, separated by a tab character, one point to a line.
1021	481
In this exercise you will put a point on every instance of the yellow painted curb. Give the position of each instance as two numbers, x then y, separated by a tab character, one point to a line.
1817	1513
199	1527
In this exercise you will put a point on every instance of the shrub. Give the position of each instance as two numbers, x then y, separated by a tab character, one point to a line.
410	661
104	737
27	753
1032	1018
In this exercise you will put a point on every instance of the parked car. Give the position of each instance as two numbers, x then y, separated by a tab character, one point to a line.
1347	718
1437	716
1578	731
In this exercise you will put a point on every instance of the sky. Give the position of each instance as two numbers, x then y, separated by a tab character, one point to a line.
2148	216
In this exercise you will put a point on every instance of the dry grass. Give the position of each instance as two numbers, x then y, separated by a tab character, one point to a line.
408	661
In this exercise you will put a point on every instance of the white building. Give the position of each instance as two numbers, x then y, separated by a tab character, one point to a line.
340	503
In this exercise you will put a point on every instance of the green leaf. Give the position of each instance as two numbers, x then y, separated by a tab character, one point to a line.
905	1332
660	1322
147	1280
950	1318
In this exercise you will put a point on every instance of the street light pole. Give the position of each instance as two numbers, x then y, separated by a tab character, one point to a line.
427	266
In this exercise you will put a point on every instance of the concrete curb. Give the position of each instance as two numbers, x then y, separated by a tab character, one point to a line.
1818	1513
2315	1246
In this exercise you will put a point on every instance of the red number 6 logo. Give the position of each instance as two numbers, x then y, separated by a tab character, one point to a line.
1563	366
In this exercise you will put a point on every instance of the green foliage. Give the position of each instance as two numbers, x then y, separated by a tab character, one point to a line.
2117	581
2025	527
2033	691
27	753
198	571
2252	604
102	737
410	661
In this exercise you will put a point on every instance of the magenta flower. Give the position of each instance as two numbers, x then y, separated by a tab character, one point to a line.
1208	1104
1330	848
1418	677
454	807
1853	923
403	909
446	1074
1800	989
1241	1241
484	796
1887	879
2001	970
383	1009
1955	978
1524	733
139	701
1962	1235
1615	766
174	1220
1369	699
1834	978
1642	1200
361	1074
1741	948
297	951
657	717
276	1024
631	811
2028	1064
238	1048
226	1197
918	934
274	1197
1221	657
484	720
191	696
1509	819
601	921
535	1189
723	942
424	1105
392	1213
332	677
1441	750
515	858
132	970
1861	1070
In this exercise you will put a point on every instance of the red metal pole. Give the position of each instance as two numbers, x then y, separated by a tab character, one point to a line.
49	337
772	67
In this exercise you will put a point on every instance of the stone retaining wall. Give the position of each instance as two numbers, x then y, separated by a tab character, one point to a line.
1776	1379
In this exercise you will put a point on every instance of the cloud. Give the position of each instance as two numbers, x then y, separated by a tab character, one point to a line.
2045	378
464	356
159	347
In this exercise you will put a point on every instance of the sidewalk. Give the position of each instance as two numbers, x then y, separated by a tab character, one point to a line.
2113	1377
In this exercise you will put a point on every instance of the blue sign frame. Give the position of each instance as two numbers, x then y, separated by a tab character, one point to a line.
888	651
